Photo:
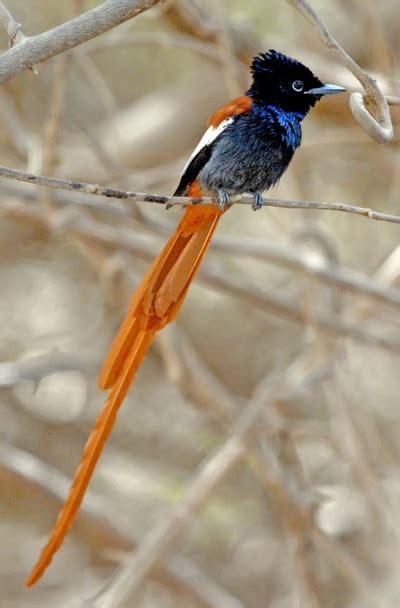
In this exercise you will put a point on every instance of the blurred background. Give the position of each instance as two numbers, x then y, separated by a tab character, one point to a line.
311	520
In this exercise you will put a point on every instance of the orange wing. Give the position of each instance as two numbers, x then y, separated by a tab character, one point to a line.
240	105
155	304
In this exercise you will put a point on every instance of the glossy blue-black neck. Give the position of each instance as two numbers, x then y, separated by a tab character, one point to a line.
284	124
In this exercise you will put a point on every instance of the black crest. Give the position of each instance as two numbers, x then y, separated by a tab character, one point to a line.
284	81
276	62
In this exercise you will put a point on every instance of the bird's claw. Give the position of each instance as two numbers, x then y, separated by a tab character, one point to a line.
223	199
258	201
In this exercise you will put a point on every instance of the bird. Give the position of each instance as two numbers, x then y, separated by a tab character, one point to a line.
247	147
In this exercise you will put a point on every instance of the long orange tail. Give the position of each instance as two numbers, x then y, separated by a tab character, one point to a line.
154	305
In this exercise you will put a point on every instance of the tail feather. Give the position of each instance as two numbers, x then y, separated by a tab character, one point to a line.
181	273
120	348
155	304
94	446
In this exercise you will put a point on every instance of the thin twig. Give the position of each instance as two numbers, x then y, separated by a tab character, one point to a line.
96	189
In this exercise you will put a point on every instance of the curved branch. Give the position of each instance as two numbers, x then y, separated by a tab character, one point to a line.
33	50
380	128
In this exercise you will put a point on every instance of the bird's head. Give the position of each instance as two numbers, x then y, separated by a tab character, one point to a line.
287	83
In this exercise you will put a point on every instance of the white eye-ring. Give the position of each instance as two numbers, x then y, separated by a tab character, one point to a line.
297	86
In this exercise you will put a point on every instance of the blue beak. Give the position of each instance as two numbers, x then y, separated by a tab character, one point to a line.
326	89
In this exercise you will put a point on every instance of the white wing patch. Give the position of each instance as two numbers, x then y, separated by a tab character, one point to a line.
208	137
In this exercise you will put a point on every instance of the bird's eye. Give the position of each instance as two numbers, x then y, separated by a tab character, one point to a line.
297	86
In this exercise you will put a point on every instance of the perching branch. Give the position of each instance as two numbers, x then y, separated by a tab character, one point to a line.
36	49
380	128
109	236
286	256
257	248
82	187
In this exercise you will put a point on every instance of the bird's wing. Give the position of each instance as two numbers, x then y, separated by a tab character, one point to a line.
200	156
202	153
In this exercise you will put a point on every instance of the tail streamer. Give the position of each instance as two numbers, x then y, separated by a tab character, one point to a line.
154	305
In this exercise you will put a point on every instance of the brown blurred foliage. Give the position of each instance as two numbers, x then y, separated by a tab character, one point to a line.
125	110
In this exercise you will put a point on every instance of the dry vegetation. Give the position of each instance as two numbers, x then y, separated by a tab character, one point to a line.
256	462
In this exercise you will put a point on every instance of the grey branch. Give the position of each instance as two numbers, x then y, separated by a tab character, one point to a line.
380	128
331	274
53	362
35	49
82	187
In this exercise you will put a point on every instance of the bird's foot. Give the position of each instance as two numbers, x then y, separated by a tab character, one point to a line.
223	199
258	201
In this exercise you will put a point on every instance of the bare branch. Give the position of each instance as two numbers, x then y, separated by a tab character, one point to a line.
287	256
36	49
12	27
53	362
331	274
65	184
380	128
393	101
